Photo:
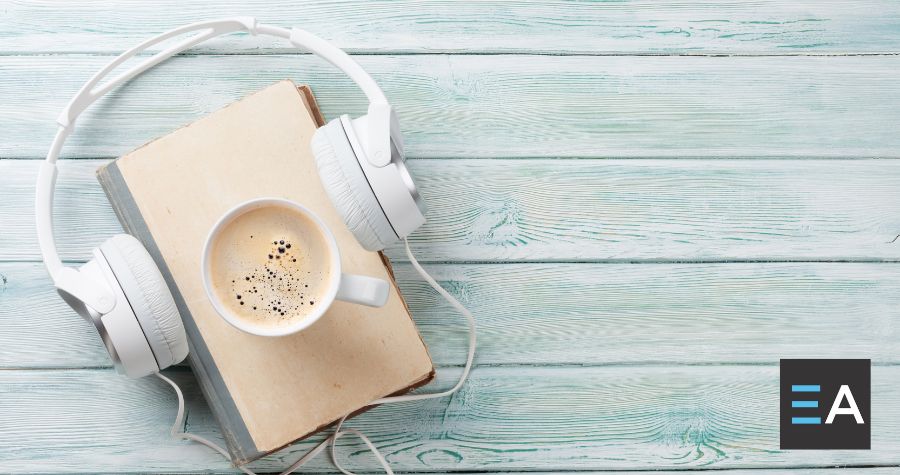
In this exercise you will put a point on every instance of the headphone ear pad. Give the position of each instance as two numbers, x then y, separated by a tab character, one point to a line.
346	185
149	296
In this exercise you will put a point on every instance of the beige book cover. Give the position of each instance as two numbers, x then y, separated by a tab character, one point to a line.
265	392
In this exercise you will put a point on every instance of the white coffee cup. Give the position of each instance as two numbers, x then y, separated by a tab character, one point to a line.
357	289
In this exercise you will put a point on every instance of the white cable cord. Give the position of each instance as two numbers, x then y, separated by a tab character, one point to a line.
177	433
338	432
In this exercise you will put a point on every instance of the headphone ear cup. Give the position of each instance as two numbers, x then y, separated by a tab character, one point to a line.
149	297
346	185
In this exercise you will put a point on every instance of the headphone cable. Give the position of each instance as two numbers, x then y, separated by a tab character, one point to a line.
177	433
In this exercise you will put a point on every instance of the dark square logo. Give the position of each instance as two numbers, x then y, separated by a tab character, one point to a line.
825	404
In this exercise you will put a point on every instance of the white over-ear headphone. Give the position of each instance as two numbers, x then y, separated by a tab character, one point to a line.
121	290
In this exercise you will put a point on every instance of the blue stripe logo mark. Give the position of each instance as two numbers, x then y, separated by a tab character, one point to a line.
805	404
806	420
805	388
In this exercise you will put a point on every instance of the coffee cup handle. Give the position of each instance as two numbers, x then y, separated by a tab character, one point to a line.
363	290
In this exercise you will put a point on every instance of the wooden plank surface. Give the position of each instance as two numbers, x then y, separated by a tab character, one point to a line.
630	317
553	27
506	418
572	210
557	314
499	105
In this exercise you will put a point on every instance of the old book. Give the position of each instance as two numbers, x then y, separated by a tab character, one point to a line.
264	392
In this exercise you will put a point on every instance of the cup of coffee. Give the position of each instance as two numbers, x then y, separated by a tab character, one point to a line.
271	267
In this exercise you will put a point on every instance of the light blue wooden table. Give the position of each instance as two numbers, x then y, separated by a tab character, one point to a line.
645	203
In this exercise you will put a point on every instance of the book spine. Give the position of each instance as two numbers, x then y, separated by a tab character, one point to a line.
234	430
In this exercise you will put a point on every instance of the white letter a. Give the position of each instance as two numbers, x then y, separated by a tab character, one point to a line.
836	408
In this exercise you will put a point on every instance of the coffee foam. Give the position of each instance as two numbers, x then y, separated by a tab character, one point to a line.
270	266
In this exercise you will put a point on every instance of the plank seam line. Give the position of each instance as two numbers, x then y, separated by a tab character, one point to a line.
568	470
485	262
663	471
722	158
451	52
511	366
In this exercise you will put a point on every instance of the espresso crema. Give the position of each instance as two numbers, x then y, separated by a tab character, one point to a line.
270	266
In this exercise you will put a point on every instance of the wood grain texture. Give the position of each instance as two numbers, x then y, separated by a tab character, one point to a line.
596	366
572	210
581	314
499	105
557	27
562	418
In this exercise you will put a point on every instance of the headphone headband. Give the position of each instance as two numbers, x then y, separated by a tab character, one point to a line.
381	121
208	30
